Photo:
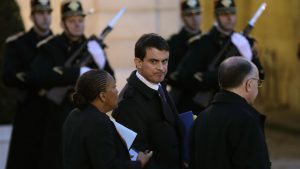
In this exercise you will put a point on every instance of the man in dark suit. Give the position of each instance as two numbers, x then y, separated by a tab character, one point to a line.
179	44
198	72
57	74
229	133
146	108
20	51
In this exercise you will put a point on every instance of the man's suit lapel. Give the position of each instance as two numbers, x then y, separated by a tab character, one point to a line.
152	94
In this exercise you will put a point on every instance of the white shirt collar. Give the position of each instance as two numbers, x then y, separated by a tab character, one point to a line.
146	82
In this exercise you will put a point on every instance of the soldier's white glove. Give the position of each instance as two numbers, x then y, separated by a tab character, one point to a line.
84	69
97	53
242	45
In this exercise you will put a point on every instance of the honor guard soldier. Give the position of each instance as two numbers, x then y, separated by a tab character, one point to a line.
28	128
60	62
179	43
198	72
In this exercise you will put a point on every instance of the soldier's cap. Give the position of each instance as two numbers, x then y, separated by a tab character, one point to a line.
190	6
71	8
40	5
222	6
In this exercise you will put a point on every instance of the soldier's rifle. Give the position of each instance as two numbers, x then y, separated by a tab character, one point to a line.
203	97
57	94
228	48
84	60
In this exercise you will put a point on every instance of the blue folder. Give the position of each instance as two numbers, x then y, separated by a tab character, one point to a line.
187	121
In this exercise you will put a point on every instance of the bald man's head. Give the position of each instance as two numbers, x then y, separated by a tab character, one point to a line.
233	71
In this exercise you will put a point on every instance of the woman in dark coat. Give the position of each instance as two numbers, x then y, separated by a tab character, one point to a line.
90	139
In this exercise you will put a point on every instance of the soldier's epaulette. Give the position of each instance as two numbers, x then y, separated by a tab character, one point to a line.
14	37
194	38
44	41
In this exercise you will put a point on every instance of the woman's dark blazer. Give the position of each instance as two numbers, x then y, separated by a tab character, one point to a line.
91	141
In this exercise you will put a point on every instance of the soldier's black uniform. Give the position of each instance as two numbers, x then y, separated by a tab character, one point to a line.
28	129
57	76
50	65
20	51
200	56
198	71
52	73
179	44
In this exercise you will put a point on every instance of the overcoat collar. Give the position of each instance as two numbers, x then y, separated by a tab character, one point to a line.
229	97
140	86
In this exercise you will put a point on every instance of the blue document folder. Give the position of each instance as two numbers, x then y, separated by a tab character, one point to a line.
187	121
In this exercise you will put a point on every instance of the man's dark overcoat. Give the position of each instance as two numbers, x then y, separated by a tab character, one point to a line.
229	134
141	110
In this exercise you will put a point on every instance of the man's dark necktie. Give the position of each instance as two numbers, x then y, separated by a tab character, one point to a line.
166	107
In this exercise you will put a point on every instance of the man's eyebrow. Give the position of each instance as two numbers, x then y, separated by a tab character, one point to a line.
158	59
153	59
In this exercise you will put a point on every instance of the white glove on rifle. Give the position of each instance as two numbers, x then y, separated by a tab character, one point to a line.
242	45
97	53
83	70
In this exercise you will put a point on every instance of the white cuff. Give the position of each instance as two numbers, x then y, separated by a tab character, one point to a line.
97	53
242	45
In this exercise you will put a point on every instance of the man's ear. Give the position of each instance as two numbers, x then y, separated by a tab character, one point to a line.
248	85
138	62
102	96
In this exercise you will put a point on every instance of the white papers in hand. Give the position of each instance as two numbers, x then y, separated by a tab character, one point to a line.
133	154
127	135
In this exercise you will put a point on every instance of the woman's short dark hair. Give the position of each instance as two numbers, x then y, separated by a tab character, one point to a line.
233	71
88	86
150	40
